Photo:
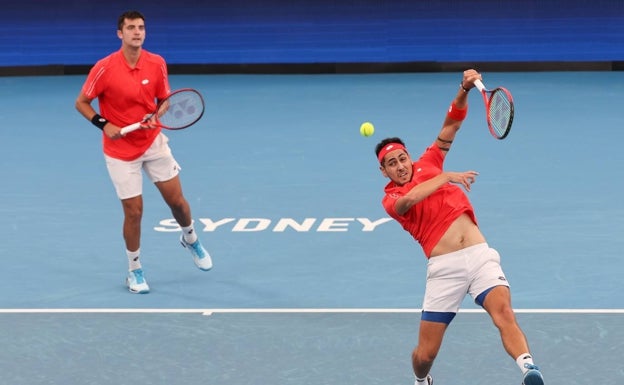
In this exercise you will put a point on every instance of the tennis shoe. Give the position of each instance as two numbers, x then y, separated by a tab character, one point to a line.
532	376
200	255
136	282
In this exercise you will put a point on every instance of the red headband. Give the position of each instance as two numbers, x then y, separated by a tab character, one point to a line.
388	148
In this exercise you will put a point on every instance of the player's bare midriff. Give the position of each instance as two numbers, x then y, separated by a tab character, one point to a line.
462	233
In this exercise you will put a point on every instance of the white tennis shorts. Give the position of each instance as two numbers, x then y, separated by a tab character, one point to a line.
451	276
157	162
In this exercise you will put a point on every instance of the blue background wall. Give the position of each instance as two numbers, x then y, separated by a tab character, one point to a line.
319	31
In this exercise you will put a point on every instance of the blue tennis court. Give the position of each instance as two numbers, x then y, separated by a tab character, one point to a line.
311	283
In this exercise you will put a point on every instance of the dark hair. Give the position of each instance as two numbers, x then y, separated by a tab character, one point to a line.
381	144
130	15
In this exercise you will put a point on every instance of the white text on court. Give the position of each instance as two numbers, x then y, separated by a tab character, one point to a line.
279	225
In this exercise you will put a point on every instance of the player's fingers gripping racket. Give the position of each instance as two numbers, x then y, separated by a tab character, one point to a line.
180	109
499	108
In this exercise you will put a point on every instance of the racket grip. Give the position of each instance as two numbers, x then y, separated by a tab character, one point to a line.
130	128
479	84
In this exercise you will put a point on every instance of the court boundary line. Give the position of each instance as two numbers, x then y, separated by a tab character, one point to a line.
208	312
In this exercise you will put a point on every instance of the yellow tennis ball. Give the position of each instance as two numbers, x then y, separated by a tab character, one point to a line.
367	129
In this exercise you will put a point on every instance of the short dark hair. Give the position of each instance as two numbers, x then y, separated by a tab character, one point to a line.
383	143
130	15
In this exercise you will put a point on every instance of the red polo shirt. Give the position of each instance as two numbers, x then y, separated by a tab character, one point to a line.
125	96
428	220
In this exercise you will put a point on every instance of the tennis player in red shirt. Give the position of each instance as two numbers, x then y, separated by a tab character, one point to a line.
128	84
429	203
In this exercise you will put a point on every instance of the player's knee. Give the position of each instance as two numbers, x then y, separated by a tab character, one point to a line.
504	316
133	212
423	357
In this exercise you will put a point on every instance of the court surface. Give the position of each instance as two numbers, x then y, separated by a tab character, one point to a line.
311	283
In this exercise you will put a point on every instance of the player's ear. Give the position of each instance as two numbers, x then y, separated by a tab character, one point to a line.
383	171
119	34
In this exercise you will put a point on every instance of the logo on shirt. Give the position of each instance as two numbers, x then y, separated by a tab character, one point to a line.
144	81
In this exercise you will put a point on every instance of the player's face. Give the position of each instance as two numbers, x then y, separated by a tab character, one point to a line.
132	33
397	166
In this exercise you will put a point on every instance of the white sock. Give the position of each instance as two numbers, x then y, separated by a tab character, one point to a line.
189	234
421	381
133	259
524	358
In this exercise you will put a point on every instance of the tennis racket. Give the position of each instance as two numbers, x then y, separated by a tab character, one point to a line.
180	109
499	108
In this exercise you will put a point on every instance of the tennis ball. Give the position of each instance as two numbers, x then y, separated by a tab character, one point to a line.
367	129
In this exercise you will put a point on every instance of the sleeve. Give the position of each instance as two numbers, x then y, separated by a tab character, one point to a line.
165	88
93	86
389	203
433	155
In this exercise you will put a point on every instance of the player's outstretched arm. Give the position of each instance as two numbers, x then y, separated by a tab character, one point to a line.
457	111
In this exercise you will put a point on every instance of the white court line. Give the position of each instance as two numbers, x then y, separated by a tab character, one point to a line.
294	310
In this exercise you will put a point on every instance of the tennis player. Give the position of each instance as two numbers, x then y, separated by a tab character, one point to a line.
128	83
429	203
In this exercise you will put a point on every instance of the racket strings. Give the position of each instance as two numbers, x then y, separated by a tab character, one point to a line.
181	109
501	112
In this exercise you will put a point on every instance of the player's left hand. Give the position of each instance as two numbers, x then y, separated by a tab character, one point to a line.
466	178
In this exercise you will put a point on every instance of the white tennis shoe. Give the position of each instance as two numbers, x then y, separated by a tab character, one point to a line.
136	282
532	376
200	255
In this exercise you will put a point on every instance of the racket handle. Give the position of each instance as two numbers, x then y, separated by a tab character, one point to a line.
479	84
130	128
